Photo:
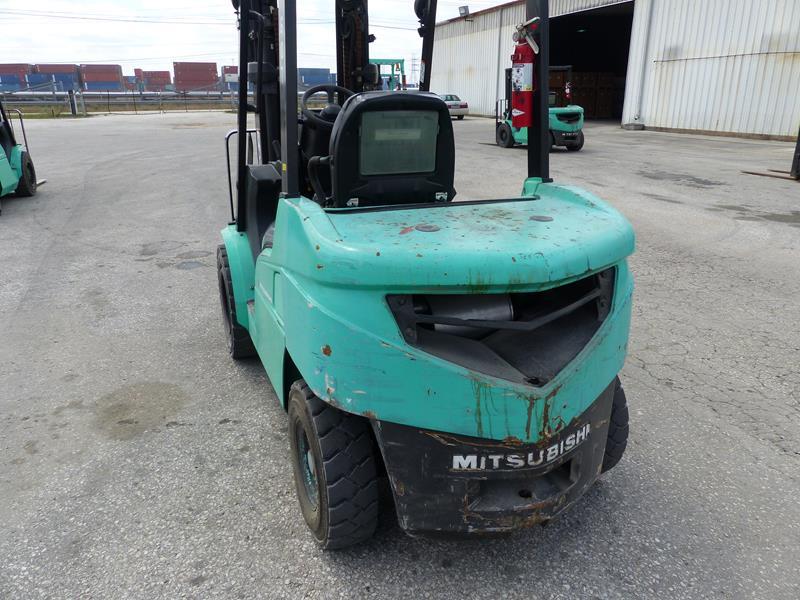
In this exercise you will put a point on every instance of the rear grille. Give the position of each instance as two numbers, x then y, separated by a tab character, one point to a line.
523	337
572	117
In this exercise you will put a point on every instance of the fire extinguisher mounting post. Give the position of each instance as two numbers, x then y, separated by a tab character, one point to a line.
539	134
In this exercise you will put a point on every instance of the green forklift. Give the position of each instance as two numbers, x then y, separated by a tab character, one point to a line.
17	175
456	360
565	118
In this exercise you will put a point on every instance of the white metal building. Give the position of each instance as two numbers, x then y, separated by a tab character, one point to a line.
722	66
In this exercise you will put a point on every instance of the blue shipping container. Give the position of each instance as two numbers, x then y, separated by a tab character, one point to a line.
67	81
9	87
103	86
9	78
39	79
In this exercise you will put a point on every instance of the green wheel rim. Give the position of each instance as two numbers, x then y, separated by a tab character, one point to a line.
308	467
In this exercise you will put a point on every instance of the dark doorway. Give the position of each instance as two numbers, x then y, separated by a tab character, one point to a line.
596	43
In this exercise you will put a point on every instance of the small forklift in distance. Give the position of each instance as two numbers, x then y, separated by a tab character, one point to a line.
461	355
565	118
17	175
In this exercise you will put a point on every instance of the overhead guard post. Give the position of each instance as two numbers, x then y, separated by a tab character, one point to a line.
539	137
287	19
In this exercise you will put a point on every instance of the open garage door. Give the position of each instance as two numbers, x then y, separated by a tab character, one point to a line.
596	44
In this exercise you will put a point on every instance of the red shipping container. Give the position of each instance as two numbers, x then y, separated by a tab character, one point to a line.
157	77
18	69
56	68
101	68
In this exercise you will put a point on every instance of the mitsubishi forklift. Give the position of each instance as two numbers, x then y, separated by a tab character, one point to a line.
456	361
565	119
17	175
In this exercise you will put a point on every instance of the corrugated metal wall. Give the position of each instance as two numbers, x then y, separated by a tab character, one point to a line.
708	65
470	57
717	65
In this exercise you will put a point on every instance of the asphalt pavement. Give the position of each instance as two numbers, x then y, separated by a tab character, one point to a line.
139	461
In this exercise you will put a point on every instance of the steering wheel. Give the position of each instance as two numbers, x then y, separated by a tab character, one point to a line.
330	89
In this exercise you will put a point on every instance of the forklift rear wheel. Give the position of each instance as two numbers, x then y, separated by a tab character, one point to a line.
239	343
504	136
617	439
460	117
577	144
335	472
27	183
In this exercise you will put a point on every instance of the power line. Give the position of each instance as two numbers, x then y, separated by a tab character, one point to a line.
114	19
163	21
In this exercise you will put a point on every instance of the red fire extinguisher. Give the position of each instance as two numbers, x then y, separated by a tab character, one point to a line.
522	81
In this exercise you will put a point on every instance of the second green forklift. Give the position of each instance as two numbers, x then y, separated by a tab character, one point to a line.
17	174
565	119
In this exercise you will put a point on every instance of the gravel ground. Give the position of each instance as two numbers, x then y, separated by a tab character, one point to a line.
139	461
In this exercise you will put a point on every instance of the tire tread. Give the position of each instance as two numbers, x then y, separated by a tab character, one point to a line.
348	456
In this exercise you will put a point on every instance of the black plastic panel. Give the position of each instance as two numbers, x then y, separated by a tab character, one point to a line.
520	337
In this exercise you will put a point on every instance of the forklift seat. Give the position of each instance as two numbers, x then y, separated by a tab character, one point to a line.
390	148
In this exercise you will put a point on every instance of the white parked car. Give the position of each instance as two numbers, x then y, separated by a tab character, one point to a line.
458	107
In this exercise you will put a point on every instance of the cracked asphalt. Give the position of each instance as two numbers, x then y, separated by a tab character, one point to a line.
138	461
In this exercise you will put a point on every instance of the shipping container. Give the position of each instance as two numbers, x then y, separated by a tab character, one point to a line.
66	81
191	68
157	75
9	87
19	70
55	68
101	69
42	81
102	86
87	77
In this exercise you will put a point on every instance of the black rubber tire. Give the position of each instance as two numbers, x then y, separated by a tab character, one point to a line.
504	136
27	183
617	439
345	465
239	343
460	117
577	144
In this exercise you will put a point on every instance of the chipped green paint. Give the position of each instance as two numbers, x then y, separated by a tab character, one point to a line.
10	169
481	392
371	369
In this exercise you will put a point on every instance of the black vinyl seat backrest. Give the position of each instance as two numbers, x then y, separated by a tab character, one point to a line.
391	148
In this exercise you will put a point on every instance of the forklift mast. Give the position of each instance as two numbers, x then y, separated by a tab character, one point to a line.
352	45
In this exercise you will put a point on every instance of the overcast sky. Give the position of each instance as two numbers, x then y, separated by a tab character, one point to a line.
151	34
